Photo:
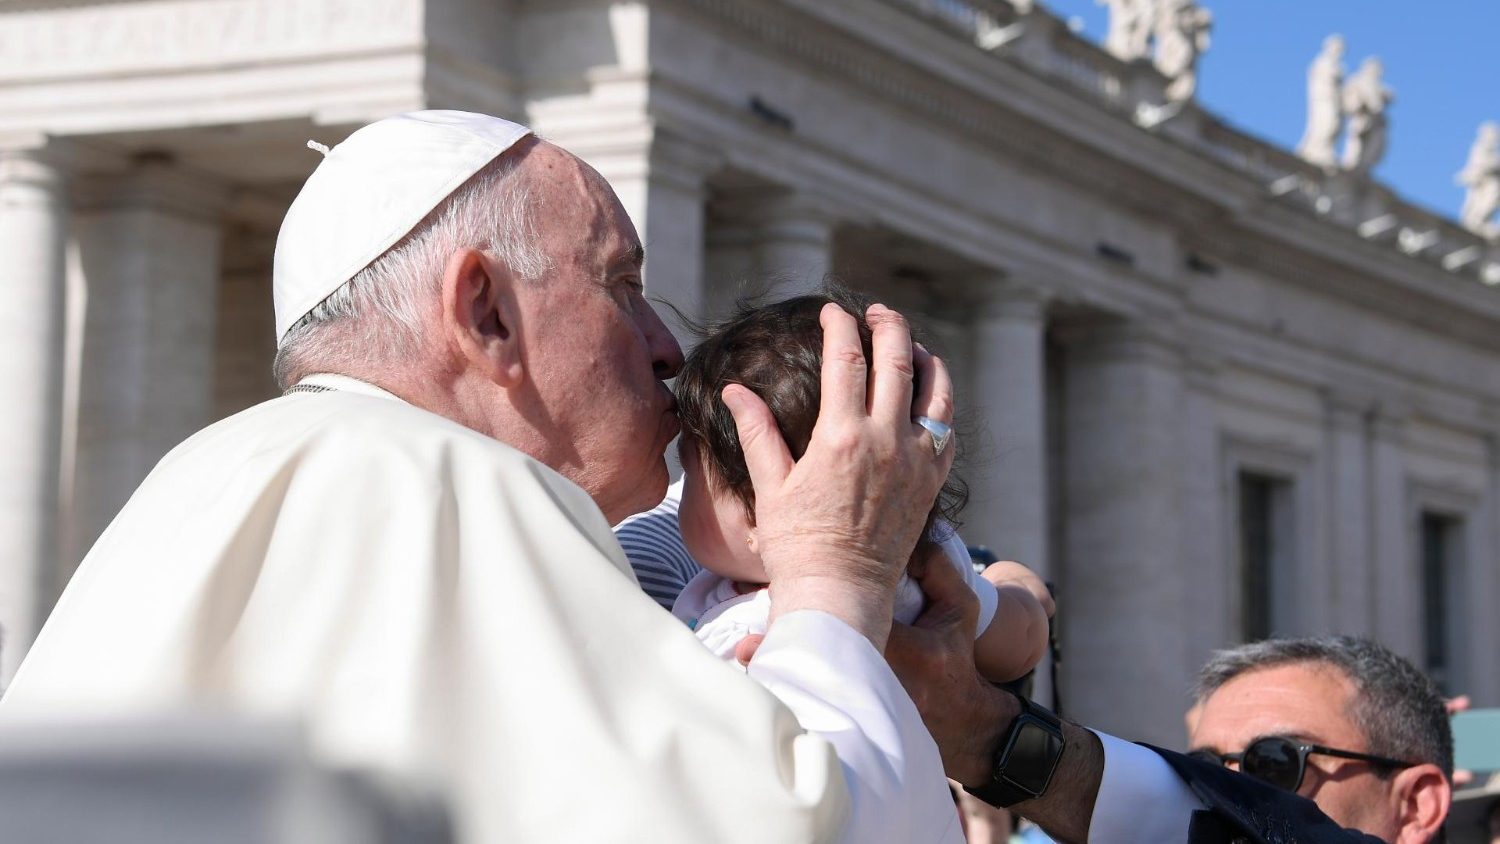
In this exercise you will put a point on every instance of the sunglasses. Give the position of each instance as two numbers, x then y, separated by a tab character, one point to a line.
1282	762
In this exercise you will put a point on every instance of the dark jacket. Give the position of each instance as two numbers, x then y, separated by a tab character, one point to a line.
1241	808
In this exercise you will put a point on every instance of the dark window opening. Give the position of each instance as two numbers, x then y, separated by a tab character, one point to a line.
1265	504
1442	549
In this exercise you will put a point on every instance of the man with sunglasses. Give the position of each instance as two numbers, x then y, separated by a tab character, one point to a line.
1342	721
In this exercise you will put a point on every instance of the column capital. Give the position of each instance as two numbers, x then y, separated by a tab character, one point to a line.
643	151
38	146
1202	366
762	207
1141	338
157	185
1346	408
1004	298
1491	440
764	216
36	159
685	158
1390	418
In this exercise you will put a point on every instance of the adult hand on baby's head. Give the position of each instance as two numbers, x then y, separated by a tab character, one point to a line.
835	528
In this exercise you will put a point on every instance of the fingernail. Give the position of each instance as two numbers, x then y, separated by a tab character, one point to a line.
732	397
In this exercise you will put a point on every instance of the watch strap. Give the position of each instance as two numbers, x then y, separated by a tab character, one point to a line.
1003	791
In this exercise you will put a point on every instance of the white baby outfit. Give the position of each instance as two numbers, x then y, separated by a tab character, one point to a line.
720	615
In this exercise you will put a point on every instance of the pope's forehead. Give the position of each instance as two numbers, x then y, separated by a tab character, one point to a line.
554	167
576	196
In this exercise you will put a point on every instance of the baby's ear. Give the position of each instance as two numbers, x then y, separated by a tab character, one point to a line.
752	540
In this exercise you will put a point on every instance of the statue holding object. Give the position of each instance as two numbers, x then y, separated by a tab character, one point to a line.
1182	29
1366	99
1325	115
1482	178
1130	25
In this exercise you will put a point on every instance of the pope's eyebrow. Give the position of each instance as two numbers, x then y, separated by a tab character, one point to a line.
634	256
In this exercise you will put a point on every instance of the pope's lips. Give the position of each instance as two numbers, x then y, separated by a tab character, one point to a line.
674	423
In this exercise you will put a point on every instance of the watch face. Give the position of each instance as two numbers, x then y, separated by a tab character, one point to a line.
1033	753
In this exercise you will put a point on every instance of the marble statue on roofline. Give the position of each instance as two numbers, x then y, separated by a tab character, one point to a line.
1325	114
1182	28
1482	178
1130	25
1366	99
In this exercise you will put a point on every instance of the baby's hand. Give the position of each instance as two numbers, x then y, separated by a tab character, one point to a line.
1010	572
1016	639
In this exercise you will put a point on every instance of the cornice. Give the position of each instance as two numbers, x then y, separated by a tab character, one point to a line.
1355	383
1051	127
1038	125
1339	264
83	40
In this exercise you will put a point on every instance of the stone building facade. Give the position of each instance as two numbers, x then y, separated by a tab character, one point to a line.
1213	392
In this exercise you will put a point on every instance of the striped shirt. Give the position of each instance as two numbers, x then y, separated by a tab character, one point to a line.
653	544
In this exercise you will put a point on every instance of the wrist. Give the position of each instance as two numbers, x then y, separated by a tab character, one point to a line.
999	709
1027	760
864	606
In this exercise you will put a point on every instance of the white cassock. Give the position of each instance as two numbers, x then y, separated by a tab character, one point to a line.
433	604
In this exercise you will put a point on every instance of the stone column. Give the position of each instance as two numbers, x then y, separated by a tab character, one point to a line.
1397	587
1346	453
780	240
33	235
730	265
1007	466
796	241
1124	659
1008	479
1483	583
149	260
1208	578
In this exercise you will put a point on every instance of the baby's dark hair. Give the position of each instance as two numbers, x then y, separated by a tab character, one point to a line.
776	350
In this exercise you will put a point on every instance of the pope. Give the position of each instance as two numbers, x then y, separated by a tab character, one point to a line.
410	552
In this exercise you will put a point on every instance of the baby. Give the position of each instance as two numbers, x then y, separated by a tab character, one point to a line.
776	351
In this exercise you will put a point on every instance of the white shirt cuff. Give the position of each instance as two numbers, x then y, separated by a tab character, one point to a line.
1140	798
842	689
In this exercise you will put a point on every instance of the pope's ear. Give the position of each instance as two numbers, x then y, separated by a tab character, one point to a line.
479	316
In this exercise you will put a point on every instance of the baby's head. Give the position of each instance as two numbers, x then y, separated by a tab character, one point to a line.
776	350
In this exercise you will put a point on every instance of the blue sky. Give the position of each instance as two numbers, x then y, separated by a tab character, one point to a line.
1442	58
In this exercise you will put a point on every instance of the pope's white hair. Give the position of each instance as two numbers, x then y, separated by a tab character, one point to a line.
375	318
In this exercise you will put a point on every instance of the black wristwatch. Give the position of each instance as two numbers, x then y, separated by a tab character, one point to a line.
1027	757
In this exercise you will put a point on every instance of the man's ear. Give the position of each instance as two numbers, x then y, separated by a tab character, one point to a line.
480	316
1422	796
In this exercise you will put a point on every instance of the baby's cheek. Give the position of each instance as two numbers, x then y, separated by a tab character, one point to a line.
695	520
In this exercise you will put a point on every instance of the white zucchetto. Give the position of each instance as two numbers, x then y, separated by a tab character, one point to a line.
369	192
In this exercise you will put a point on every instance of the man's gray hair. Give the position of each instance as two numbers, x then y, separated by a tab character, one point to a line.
1397	707
375	318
